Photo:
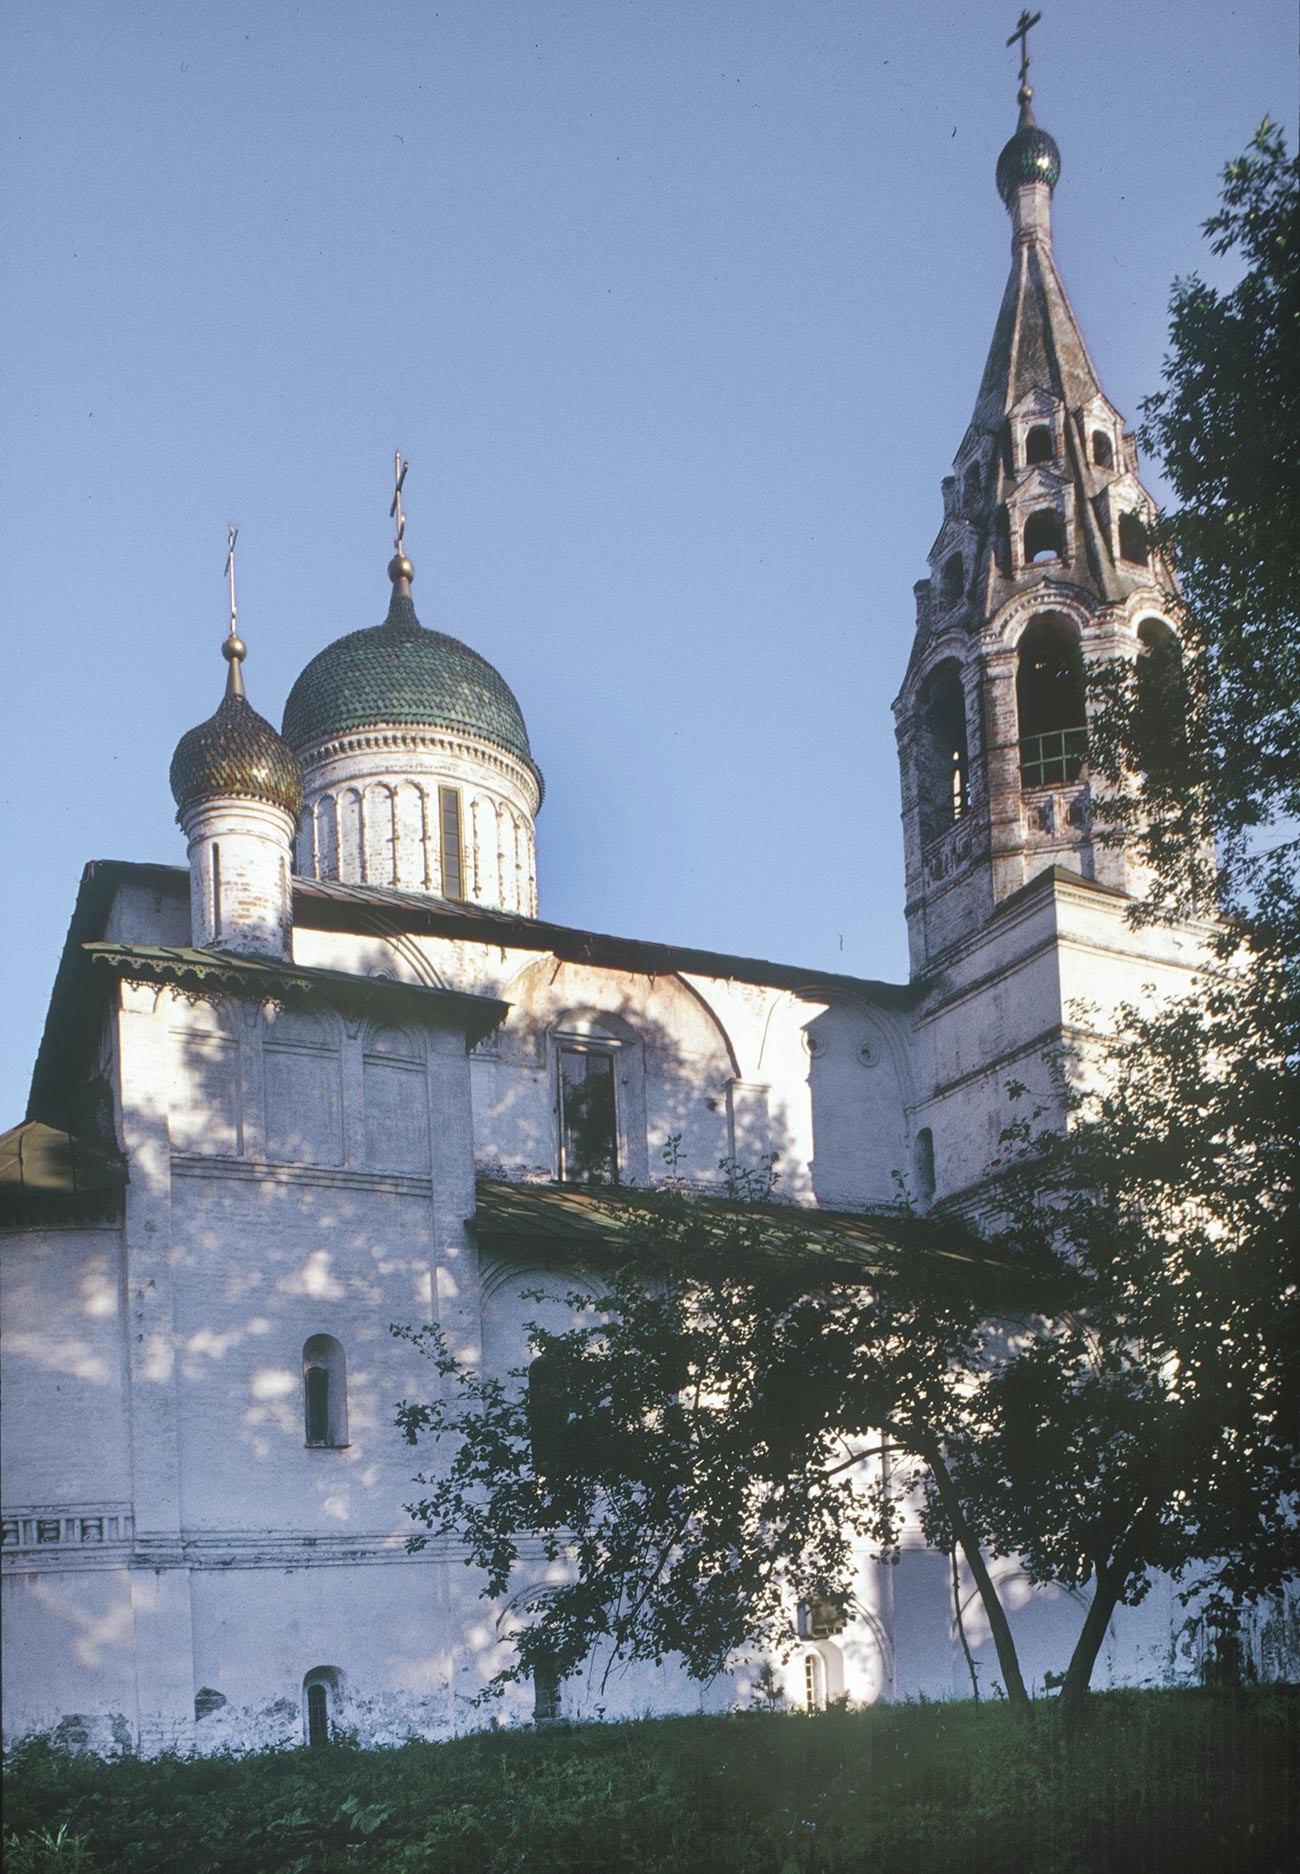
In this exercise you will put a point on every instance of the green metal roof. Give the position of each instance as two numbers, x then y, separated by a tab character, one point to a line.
40	1160
567	1220
398	673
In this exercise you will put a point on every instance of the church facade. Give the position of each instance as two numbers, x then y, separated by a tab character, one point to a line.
338	1072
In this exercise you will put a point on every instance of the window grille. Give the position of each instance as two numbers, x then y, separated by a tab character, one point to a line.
588	1120
318	1715
1054	758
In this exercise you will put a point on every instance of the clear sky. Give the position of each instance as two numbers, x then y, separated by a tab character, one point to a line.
678	309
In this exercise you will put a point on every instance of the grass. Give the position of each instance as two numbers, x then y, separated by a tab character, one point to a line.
1149	1781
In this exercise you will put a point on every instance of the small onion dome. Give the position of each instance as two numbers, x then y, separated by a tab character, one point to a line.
400	675
236	753
1030	156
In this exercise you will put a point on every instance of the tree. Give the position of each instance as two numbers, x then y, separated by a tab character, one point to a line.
1216	812
1175	1191
727	1394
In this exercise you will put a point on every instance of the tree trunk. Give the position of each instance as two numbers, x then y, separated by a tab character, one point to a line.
999	1625
1078	1674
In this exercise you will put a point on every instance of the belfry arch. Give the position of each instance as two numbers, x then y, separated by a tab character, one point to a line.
943	753
1050	708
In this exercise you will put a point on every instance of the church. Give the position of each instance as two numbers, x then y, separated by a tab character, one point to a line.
338	1071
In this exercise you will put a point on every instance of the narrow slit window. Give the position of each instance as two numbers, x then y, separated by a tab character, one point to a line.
449	828
588	1124
318	1405
546	1693
216	890
923	1165
548	1418
321	1688
325	1392
943	761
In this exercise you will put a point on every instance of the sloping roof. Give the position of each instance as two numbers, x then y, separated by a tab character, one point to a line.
1037	344
373	910
590	1223
37	1160
221	971
326	904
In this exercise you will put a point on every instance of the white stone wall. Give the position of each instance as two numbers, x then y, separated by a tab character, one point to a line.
295	1175
371	817
240	892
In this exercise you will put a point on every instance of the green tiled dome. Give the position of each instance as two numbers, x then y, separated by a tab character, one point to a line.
1031	156
399	674
236	753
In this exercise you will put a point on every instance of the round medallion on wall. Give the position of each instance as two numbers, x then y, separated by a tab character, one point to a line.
868	1054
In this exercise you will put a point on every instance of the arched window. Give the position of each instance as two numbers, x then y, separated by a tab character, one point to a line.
1133	539
546	1693
814	1682
325	1392
953	579
450	842
1160	706
548	1417
1102	453
923	1165
1038	445
320	1701
1044	537
1050	704
1002	541
970	488
943	760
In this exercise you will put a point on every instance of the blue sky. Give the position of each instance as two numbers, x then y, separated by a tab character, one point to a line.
678	311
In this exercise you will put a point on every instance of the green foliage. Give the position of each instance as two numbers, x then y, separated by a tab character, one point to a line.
704	1455
1193	1780
1204	772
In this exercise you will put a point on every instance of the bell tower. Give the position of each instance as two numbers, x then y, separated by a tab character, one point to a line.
1040	566
1018	911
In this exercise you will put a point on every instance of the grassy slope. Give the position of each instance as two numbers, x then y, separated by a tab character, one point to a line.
1152	1781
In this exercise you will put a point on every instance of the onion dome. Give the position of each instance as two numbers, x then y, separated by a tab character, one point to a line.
1030	156
400	675
236	754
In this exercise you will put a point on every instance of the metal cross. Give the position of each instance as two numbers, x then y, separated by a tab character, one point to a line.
395	512
1023	24
232	534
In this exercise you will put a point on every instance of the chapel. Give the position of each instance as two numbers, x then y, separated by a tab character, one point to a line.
338	1070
